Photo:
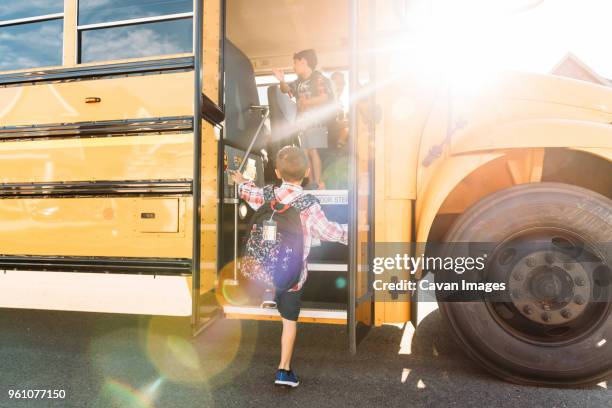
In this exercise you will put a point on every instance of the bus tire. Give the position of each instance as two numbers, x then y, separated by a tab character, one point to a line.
536	352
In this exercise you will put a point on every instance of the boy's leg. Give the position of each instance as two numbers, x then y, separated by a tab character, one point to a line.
287	343
310	177
315	165
289	305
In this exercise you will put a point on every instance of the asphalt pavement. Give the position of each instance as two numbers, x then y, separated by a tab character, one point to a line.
103	360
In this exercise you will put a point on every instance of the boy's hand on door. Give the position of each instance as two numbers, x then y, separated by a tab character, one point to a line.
237	176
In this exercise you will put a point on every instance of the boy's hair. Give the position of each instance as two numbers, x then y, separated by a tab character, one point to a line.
291	163
309	55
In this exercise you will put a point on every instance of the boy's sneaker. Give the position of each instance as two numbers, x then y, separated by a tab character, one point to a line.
268	301
286	377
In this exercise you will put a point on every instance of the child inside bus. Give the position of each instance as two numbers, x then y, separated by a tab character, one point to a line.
315	100
292	168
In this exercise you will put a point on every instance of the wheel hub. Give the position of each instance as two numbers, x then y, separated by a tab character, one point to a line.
549	287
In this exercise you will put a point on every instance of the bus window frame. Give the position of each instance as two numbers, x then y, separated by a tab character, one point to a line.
79	28
70	42
33	20
265	80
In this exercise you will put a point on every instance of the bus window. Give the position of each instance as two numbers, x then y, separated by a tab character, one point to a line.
30	34
92	11
112	30
265	81
16	10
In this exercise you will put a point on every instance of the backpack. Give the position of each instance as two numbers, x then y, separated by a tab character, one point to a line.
274	247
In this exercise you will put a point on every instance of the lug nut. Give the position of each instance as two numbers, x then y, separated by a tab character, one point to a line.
579	281
579	300
531	262
518	276
546	317
528	310
566	314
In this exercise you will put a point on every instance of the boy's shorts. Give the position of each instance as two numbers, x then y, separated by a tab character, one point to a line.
289	304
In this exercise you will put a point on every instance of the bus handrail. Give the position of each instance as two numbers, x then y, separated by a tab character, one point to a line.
266	114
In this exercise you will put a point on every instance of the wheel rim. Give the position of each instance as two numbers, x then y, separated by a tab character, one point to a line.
549	274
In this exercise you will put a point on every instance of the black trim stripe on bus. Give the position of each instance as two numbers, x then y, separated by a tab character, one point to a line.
174	124
98	71
71	189
100	264
211	112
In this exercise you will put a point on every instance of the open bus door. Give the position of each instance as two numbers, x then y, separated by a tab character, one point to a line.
362	127
208	122
253	128
333	292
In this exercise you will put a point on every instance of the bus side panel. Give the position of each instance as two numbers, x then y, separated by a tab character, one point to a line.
90	224
395	182
133	97
97	226
96	292
156	157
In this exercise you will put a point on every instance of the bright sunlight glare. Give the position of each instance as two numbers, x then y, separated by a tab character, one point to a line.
464	40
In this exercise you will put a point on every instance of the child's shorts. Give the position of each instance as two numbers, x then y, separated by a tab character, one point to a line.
289	304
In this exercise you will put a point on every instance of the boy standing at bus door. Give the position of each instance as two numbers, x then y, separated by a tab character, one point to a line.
315	100
292	168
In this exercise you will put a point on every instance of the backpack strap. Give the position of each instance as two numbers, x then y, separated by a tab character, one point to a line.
304	202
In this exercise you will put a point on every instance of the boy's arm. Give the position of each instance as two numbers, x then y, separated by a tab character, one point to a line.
247	190
284	86
252	194
325	229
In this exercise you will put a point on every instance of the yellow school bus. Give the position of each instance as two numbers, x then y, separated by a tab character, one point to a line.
118	121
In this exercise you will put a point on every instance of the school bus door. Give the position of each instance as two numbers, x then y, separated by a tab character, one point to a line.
362	125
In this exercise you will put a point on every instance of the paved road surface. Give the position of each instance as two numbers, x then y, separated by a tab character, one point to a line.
118	361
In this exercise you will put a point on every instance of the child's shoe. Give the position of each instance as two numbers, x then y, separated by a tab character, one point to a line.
268	301
286	377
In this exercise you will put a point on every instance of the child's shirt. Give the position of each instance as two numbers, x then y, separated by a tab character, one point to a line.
315	225
316	85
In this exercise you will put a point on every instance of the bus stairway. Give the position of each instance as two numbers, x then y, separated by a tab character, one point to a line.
327	283
325	293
